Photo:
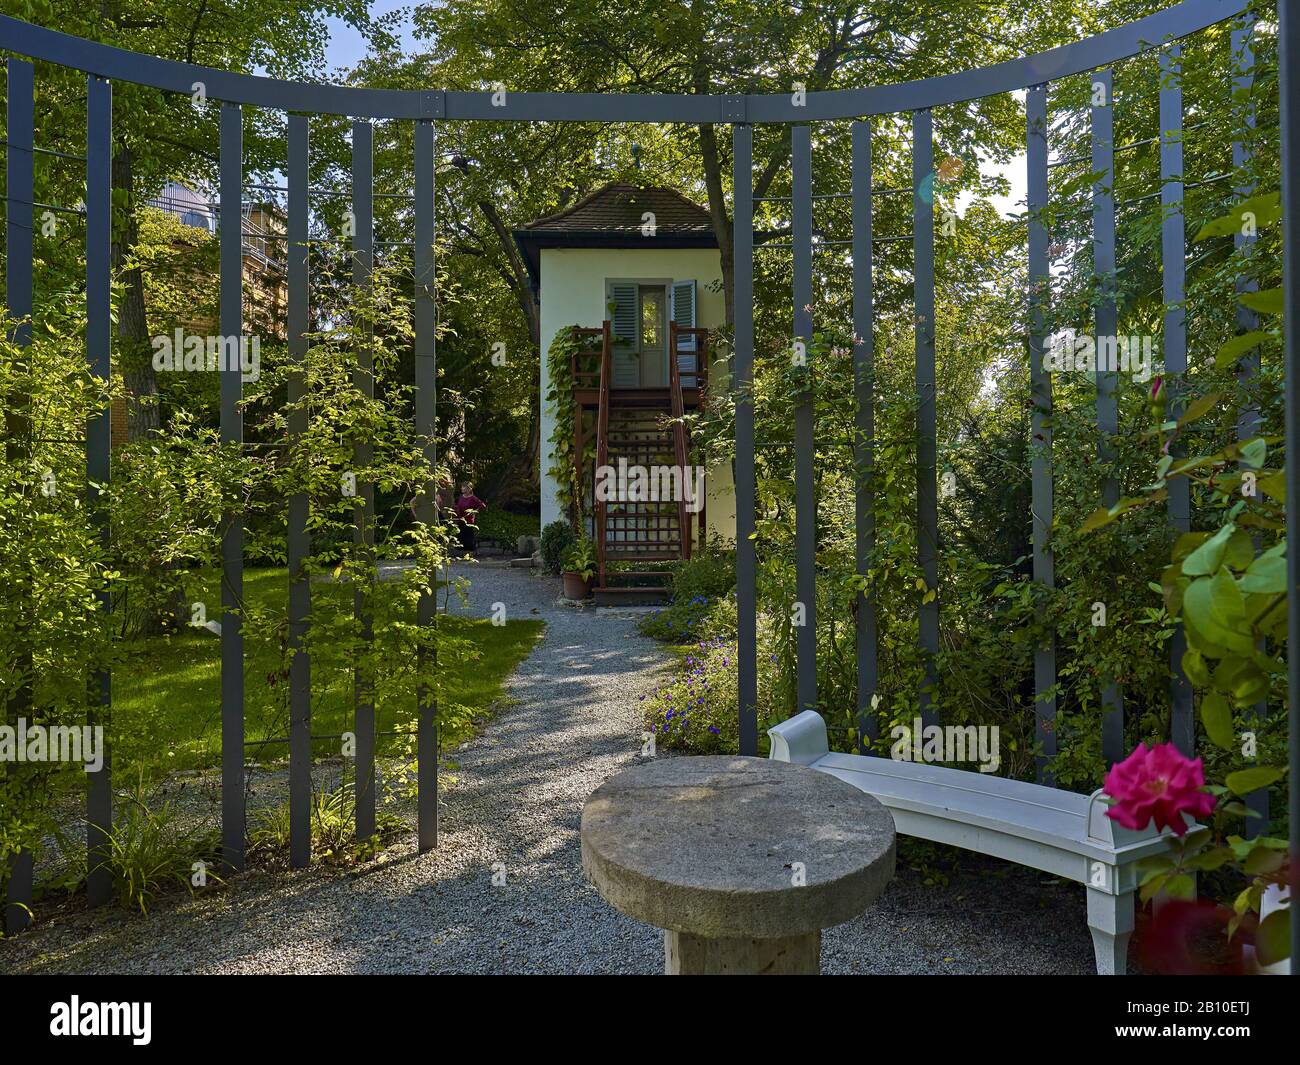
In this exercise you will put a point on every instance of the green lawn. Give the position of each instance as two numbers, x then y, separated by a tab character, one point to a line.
166	696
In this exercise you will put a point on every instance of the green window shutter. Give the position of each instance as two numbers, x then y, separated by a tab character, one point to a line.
621	305
684	314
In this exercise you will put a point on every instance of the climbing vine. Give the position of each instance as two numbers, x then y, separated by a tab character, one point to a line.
565	466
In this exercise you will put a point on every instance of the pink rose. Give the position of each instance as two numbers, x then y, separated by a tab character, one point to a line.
1159	783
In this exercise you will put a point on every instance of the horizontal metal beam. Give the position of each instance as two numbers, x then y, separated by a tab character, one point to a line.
501	104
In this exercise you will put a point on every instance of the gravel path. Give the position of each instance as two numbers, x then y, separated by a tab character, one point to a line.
512	817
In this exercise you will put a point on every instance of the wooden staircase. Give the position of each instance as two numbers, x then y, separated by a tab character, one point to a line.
643	428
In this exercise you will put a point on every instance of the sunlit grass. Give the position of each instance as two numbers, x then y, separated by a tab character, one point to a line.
167	695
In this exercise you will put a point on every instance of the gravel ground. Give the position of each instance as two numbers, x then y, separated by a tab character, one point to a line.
512	816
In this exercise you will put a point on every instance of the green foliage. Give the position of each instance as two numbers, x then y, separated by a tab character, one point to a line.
681	621
710	573
333	829
153	850
557	542
167	496
582	559
54	565
168	686
505	528
566	467
695	710
166	503
1228	587
703	602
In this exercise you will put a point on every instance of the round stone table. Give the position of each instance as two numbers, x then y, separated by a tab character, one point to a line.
742	861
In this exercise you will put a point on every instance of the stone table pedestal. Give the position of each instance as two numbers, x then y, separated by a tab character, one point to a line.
742	861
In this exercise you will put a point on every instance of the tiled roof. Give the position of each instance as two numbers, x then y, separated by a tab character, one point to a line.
612	217
619	208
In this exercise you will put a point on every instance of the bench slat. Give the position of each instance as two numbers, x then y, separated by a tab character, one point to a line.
1054	828
968	780
931	792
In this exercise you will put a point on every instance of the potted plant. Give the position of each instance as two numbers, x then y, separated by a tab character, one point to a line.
580	570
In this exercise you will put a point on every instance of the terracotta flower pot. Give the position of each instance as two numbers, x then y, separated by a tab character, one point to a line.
576	586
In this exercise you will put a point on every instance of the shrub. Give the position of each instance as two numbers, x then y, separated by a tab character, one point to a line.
504	528
557	542
679	622
695	711
711	574
702	605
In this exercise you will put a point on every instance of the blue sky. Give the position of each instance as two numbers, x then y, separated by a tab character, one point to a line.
346	46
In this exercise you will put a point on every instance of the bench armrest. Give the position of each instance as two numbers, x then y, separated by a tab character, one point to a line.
801	739
1110	833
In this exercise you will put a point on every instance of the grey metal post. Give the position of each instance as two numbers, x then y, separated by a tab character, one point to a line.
1288	35
864	365
99	237
426	425
232	530
363	380
1173	261
1106	325
742	216
805	445
1248	419
927	485
19	188
1040	424
299	545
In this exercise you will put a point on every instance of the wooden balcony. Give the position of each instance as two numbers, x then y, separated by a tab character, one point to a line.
584	368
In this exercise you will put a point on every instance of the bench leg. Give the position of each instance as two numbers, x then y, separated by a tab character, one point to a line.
1110	918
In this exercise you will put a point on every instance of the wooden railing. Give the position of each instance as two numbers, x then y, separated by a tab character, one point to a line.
602	444
681	452
583	378
698	376
698	379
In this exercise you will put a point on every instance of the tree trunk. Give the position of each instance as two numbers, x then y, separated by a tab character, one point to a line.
723	225
524	469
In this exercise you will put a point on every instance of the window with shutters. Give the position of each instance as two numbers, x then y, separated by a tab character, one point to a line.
639	310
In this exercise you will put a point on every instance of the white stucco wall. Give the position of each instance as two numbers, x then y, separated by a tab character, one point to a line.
573	293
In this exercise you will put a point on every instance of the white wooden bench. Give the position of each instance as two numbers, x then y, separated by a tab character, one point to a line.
1059	832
